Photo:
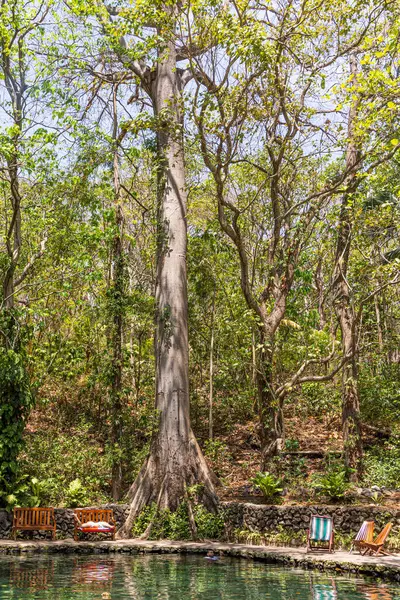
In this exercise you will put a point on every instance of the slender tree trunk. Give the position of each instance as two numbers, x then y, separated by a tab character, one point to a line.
117	285
319	284
351	421
378	322
175	460
117	358
210	397
269	409
253	358
13	238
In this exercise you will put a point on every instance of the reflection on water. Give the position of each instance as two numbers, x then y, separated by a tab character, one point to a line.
324	591
161	577
377	592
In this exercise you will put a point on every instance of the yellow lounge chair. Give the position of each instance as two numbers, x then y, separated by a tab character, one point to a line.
376	547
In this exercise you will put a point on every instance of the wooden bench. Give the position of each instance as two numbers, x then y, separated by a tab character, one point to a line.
34	519
96	515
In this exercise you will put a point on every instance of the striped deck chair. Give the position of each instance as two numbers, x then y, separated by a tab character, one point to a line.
376	547
321	532
365	534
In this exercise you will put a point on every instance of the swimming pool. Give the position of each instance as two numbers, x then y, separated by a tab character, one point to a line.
174	577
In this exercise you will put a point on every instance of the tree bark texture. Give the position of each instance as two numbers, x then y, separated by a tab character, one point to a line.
175	461
211	389
269	408
117	312
117	357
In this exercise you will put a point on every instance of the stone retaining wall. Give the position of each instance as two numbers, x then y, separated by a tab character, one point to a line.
254	517
263	518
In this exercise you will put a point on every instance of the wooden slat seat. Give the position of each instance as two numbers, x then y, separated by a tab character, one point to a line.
376	547
365	534
34	519
96	515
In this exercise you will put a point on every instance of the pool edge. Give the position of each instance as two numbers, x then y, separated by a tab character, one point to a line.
339	562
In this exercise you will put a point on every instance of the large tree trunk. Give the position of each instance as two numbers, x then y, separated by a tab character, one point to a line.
351	421
175	459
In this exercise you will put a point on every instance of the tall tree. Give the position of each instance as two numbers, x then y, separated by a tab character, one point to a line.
117	303
175	460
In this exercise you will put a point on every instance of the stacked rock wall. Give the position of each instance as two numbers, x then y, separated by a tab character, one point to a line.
263	518
254	517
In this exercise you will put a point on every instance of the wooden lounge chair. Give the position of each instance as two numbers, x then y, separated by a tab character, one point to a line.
94	520
376	547
365	534
321	532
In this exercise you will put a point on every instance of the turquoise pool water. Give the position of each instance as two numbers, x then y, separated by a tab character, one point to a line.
159	577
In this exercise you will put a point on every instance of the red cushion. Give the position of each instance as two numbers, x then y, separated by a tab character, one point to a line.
95	529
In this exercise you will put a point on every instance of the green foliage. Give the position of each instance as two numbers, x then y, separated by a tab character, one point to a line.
292	445
209	525
67	202
332	484
218	453
269	485
76	494
15	403
317	399
175	525
380	383
71	468
282	536
382	466
21	491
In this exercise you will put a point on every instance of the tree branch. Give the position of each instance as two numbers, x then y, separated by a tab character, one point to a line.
28	267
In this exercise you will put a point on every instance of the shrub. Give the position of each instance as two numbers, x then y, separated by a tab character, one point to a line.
382	466
209	525
175	525
58	460
282	536
333	484
268	484
21	491
381	382
320	399
218	453
76	494
292	445
16	401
